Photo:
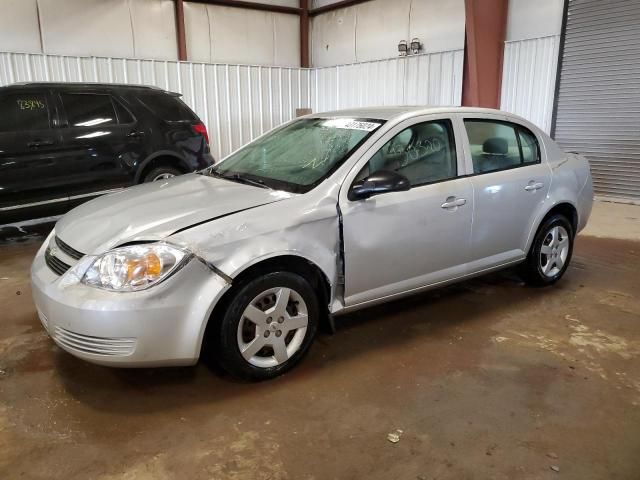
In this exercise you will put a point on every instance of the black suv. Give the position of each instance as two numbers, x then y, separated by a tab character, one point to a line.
63	143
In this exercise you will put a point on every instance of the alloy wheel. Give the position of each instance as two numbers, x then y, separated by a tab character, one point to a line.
272	327
554	251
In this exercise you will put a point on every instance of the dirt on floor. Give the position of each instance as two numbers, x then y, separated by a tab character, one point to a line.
485	379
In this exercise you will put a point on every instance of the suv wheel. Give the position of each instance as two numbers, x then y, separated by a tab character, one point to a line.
550	252
268	326
161	173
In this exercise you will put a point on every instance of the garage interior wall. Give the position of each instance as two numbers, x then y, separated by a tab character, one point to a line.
598	105
147	29
530	59
217	34
426	79
237	102
361	33
240	102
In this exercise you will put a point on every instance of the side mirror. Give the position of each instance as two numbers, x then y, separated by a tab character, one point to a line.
379	182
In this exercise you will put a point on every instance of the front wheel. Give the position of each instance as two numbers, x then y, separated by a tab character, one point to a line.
550	252
268	326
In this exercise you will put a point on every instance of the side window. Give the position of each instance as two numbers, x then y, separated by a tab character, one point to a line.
529	144
500	145
494	145
23	111
424	153
88	109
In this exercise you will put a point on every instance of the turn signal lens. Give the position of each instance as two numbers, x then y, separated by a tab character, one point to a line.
149	267
135	267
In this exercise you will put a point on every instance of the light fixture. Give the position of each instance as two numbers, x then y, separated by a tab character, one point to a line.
416	46
402	48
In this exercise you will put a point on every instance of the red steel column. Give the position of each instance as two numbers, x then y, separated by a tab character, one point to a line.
182	41
486	28
304	33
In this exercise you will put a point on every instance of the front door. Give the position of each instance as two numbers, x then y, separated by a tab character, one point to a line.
399	241
31	168
510	183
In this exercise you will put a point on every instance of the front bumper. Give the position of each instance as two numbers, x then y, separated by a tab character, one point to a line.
160	326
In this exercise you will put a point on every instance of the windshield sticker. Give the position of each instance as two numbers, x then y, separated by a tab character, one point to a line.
351	124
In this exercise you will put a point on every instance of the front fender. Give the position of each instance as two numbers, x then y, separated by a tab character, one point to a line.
293	227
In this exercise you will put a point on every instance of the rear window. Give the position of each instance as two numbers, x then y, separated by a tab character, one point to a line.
167	107
23	111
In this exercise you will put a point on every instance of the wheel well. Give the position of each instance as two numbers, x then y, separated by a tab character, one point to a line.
288	263
162	160
568	211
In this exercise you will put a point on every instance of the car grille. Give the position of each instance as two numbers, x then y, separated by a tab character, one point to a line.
54	263
108	346
72	252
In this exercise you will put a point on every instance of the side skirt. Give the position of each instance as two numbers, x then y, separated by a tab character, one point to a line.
424	288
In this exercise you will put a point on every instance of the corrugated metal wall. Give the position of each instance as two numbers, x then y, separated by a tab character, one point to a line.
528	78
240	102
427	79
599	97
236	102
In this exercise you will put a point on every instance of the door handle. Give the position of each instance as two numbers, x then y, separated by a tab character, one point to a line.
39	143
453	202
135	134
533	186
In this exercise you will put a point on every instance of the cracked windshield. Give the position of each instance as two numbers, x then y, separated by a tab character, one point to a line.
298	156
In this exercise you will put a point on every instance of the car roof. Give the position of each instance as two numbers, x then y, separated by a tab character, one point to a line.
87	85
391	112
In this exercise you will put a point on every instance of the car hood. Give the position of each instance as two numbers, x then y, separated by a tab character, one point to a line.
155	210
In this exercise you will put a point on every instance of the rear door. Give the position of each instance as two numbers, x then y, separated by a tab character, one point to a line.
102	141
510	182
31	168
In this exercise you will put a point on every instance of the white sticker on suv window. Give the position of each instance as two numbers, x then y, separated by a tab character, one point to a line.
351	124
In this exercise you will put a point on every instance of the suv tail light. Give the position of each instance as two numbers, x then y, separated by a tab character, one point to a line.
202	130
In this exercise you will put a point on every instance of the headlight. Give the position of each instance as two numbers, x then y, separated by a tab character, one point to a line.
137	267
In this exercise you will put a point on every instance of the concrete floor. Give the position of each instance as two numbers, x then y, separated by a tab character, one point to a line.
486	379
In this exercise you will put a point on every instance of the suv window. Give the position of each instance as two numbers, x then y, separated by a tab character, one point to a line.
124	115
23	111
497	145
168	107
424	153
88	109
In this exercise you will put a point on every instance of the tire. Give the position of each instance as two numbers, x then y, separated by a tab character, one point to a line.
157	173
549	255
260	299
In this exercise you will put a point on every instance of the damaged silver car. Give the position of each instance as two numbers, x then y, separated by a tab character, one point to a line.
324	215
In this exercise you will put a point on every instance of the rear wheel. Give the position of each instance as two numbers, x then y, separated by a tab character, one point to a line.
550	252
268	326
161	173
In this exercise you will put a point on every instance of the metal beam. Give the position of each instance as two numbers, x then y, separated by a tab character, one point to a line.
304	34
485	29
556	90
335	6
180	31
265	7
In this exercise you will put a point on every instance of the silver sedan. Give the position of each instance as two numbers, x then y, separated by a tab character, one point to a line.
324	215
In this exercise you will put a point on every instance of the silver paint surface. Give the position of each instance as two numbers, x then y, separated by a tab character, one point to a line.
395	244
